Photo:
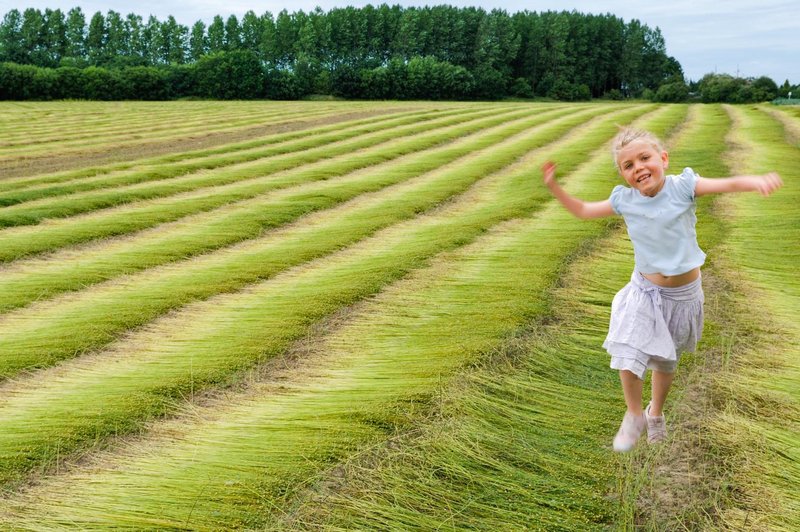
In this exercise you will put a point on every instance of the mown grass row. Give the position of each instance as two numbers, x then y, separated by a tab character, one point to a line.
518	444
252	452
32	280
71	140
266	163
65	408
52	234
54	118
759	419
17	190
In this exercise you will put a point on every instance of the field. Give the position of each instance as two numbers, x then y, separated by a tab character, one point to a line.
334	315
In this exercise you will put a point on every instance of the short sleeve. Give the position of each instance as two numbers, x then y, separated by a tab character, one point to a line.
686	182
616	198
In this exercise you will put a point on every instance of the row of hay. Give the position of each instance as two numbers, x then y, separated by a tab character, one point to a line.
254	449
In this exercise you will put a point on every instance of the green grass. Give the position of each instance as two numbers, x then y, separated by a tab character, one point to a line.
351	400
33	280
403	336
261	164
18	190
270	315
24	241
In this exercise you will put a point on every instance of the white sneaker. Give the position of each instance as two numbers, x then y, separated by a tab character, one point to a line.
629	432
656	427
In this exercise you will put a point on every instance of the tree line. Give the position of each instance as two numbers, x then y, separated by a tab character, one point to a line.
376	52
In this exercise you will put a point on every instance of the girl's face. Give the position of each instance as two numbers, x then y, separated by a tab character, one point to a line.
642	166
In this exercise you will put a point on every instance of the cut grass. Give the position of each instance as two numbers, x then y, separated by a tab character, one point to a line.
18	190
33	280
168	181
155	369
760	407
52	234
266	444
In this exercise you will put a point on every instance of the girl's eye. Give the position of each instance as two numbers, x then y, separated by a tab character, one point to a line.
645	157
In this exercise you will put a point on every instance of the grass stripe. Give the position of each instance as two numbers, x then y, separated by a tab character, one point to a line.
72	141
519	443
760	419
276	312
28	341
23	189
52	234
34	280
267	162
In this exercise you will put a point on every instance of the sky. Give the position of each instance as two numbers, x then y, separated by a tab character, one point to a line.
738	37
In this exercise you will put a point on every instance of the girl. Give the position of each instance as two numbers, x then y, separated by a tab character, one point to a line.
659	313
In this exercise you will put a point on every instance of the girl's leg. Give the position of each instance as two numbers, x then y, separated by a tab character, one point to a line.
661	384
633	423
632	389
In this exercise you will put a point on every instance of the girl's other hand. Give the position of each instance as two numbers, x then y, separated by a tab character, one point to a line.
768	183
549	172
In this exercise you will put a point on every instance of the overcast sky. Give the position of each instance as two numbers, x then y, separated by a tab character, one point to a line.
744	37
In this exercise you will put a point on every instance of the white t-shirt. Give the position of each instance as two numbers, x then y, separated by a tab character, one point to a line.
662	228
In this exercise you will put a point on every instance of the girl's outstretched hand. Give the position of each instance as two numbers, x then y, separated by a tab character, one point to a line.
768	183
549	172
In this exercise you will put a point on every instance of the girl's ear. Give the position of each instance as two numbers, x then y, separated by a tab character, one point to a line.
665	159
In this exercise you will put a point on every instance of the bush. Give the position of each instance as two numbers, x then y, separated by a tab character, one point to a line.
569	92
521	88
235	75
675	92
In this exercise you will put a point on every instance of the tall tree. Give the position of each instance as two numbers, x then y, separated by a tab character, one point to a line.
96	39
11	39
198	42
118	40
252	29
32	37
233	34
173	42
76	34
136	43
216	35
55	35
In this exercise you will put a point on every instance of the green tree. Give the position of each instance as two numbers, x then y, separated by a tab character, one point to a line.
55	36
198	42
216	35
233	34
252	28
96	39
32	37
76	35
173	41
118	41
11	39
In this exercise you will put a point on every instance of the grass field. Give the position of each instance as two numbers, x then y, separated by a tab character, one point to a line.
326	315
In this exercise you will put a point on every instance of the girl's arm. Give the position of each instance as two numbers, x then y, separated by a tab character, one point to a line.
765	184
581	209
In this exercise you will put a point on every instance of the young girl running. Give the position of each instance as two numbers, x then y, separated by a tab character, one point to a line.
659	313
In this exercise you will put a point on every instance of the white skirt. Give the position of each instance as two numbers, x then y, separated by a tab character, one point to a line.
652	325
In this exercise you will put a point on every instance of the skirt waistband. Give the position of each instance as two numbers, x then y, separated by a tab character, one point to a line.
687	292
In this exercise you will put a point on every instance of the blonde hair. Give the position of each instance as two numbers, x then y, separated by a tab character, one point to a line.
627	135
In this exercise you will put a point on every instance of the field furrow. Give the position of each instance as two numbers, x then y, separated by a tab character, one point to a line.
72	139
271	315
239	196
31	280
266	164
760	422
136	299
524	439
17	190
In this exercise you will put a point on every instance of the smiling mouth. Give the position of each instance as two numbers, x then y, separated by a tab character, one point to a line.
642	178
